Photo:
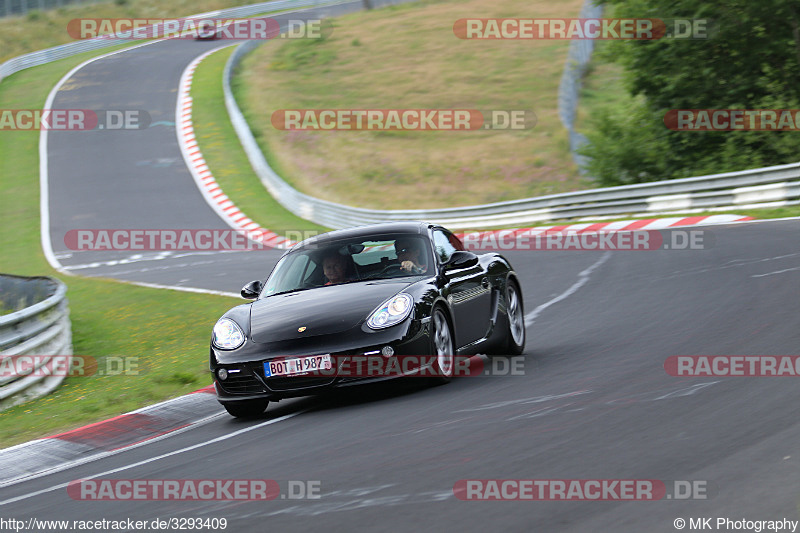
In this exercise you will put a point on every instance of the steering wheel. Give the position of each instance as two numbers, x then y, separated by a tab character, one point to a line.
390	268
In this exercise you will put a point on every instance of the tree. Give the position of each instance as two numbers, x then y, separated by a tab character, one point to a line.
750	60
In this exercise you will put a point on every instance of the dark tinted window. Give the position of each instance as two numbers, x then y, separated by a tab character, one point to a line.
375	257
443	245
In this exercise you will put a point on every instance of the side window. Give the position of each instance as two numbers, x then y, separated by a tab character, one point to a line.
444	247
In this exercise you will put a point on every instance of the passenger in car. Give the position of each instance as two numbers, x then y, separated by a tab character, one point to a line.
335	268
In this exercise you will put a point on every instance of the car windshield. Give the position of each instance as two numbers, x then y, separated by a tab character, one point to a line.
351	260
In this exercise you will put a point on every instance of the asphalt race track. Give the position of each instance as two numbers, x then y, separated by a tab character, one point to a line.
593	402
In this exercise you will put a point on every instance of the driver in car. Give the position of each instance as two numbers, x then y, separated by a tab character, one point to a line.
334	266
409	254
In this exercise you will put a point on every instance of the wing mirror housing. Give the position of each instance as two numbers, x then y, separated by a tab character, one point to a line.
461	259
252	290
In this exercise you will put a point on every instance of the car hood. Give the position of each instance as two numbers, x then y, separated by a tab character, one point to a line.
321	311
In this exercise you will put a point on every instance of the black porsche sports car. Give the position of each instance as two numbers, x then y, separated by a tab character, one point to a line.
345	307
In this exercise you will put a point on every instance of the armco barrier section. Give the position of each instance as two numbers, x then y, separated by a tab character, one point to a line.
40	327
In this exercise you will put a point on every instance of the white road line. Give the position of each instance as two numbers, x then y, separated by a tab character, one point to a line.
153	459
583	277
44	180
156	256
525	401
688	391
182	289
733	263
775	272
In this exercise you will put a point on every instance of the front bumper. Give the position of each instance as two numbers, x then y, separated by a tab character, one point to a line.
246	379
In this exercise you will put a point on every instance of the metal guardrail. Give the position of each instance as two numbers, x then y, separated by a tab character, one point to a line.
41	327
43	57
758	186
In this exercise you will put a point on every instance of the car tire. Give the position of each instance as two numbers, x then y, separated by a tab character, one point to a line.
515	337
442	347
247	409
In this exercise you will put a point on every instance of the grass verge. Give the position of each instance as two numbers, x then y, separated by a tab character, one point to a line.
407	57
225	156
603	86
166	331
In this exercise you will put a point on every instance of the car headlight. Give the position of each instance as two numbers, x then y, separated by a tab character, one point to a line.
227	334
391	312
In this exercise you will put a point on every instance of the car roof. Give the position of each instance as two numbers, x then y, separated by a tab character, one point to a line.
411	228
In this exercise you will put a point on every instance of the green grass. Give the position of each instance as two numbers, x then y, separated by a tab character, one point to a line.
771	212
167	331
226	158
603	87
762	213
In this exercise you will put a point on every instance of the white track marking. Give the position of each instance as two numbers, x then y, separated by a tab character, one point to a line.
138	258
775	272
583	277
153	459
182	289
44	180
525	401
687	391
733	263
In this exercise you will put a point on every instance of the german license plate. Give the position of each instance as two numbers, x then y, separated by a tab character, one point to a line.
297	365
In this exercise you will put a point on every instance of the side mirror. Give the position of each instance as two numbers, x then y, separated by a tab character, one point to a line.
461	259
252	290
